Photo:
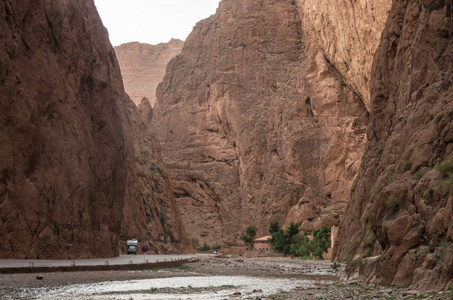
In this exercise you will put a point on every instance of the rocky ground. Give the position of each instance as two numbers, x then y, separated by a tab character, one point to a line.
324	282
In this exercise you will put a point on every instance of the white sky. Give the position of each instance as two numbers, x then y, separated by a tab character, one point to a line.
152	21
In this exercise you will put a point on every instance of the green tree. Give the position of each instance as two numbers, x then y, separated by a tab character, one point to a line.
290	241
322	238
273	227
249	236
283	240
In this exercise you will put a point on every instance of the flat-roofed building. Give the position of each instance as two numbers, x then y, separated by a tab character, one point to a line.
262	244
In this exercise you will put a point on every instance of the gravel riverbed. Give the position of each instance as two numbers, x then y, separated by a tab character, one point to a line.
209	278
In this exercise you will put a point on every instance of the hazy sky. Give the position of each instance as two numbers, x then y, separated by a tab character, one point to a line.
152	21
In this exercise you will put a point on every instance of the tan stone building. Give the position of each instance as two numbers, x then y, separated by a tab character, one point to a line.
262	244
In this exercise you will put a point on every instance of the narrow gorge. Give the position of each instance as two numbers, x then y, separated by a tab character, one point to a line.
322	113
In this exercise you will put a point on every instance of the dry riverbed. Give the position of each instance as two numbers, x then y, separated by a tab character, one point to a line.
209	278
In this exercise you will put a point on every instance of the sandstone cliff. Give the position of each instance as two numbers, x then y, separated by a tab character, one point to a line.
397	227
143	67
349	33
69	179
253	119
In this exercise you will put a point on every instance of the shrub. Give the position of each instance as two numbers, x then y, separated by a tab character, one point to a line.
376	190
335	266
445	168
447	185
392	204
438	118
319	252
205	247
407	164
366	219
430	193
303	251
195	243
372	238
420	174
390	179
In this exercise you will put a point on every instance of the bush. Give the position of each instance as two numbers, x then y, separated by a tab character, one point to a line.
375	190
445	169
407	164
366	219
447	185
303	250
205	247
195	243
319	252
420	174
335	266
392	204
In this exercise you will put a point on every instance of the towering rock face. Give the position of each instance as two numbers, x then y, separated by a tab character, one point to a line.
150	213
401	206
253	119
349	33
143	67
67	165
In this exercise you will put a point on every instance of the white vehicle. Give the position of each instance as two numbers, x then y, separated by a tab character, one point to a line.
132	246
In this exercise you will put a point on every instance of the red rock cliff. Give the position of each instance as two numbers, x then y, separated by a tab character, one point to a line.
349	33
253	119
397	227
66	136
143	67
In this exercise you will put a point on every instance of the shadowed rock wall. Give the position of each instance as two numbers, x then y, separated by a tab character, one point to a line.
66	136
397	227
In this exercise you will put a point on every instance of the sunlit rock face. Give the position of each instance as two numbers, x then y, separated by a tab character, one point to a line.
401	205
69	141
349	33
253	120
143	67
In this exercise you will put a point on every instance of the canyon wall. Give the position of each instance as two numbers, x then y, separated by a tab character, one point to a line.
143	67
70	172
397	227
257	125
150	212
349	33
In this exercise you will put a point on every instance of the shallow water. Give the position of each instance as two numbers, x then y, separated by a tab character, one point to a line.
196	287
